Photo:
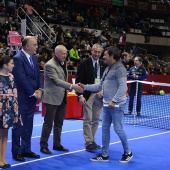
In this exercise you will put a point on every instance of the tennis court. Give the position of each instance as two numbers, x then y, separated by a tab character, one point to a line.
150	147
148	136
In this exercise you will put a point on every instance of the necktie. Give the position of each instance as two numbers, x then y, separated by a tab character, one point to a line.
31	63
95	70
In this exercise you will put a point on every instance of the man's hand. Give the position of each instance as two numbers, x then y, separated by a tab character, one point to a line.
38	94
81	85
77	88
82	100
111	104
99	94
135	76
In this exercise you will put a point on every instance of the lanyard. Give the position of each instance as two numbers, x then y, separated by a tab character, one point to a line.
103	78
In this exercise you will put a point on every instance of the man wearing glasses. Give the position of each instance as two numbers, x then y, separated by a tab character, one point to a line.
29	85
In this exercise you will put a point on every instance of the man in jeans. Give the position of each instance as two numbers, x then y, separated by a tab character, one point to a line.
114	87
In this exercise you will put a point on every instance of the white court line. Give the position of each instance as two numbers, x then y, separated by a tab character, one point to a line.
35	160
68	153
142	137
61	132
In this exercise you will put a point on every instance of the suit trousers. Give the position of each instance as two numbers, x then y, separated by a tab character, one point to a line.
54	114
25	132
16	136
91	114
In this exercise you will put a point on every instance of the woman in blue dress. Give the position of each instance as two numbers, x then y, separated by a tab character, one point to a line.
9	116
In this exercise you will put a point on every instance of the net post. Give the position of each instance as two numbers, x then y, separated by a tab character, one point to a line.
136	97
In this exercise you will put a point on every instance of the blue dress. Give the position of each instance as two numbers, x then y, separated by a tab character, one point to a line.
9	116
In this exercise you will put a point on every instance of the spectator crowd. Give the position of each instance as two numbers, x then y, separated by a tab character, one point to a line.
78	42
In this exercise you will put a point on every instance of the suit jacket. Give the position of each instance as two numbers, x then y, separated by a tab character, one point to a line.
26	80
85	73
55	83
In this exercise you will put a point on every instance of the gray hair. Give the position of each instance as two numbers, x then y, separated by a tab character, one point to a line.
59	48
97	45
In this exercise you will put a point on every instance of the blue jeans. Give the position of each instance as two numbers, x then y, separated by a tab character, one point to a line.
115	116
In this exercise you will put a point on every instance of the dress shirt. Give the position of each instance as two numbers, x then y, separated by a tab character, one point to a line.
98	67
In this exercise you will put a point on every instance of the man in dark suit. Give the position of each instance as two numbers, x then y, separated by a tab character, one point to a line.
90	71
55	99
29	86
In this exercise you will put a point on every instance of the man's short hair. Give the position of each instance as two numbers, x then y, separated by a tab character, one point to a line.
112	50
124	54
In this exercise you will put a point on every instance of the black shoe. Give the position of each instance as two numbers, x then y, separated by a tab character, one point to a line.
8	165
3	166
91	147
126	157
19	158
128	113
31	155
97	146
45	150
61	148
100	158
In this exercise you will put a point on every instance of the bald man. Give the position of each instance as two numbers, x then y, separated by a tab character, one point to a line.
55	99
29	85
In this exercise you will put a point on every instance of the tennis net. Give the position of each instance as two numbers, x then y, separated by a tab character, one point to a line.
155	106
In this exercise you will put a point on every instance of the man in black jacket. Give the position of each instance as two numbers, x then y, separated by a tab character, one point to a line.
90	71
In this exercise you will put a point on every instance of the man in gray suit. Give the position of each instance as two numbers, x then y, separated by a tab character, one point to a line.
55	99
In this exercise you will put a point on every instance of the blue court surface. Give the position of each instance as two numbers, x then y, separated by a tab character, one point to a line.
150	147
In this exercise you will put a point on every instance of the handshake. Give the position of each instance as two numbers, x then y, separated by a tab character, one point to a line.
79	87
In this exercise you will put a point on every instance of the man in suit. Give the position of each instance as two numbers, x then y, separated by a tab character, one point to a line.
55	99
90	71
29	86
